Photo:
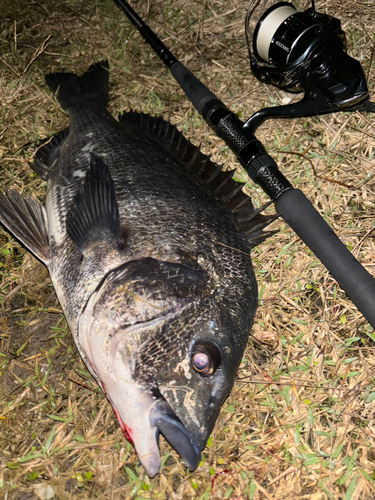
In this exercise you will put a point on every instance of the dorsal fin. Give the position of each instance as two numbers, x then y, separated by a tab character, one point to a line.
94	216
220	182
47	153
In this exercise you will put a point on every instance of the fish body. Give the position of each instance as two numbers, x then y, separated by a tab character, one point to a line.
149	262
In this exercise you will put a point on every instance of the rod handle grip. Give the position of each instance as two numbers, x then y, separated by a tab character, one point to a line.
353	278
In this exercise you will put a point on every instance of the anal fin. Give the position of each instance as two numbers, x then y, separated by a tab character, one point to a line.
26	219
94	217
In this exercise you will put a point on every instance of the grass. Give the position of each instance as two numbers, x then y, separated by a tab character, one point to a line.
300	421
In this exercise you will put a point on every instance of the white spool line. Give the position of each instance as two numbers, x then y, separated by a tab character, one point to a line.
268	28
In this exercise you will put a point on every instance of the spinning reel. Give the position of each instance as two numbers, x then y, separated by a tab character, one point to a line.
304	52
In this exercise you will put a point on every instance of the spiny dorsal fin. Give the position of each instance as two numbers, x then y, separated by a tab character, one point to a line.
26	219
47	153
94	217
254	223
218	181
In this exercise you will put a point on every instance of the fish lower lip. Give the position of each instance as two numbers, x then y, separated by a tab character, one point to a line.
164	418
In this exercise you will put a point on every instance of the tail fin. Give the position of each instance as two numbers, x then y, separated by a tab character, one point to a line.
72	88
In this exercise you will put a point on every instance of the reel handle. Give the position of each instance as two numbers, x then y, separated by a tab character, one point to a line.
304	107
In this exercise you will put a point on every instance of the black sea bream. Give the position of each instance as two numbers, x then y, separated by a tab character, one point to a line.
147	244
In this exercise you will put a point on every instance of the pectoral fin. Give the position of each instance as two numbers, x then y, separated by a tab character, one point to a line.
26	219
94	217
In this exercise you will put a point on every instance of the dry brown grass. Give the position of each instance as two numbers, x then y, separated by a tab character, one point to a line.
300	421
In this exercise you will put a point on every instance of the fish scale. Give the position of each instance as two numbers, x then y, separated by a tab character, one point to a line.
147	243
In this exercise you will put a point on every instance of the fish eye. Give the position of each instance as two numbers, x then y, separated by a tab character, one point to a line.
206	358
201	362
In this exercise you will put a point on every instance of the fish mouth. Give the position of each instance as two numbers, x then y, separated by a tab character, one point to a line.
170	426
145	436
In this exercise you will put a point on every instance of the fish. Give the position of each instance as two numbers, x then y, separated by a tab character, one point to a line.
147	242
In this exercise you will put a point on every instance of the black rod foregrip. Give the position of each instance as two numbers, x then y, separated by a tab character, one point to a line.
197	93
302	217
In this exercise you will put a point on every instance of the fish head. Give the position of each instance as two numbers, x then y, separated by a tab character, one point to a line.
164	351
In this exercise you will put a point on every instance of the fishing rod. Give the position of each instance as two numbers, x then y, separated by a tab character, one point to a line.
290	203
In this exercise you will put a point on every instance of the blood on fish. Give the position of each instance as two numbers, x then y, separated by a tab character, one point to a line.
125	429
217	474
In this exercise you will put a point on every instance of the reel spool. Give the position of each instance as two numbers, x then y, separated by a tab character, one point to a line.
303	52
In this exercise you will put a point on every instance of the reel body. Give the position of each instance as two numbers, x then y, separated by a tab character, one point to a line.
304	52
